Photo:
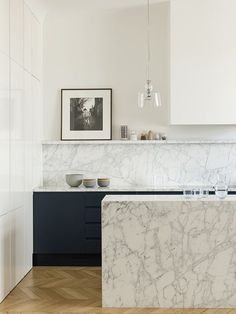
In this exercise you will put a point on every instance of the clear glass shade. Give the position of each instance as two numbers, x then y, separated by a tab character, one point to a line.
149	97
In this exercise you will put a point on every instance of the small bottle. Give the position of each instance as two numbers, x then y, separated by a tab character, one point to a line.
133	136
150	136
124	132
157	137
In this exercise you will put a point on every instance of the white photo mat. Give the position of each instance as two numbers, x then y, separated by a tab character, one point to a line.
69	134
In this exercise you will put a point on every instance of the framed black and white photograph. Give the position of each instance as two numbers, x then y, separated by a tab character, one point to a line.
86	114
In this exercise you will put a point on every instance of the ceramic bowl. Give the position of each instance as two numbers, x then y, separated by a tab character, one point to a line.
89	183
103	182
74	180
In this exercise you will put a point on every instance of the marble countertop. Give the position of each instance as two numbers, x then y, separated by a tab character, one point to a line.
163	198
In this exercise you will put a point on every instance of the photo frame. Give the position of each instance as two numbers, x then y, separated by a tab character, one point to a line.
86	114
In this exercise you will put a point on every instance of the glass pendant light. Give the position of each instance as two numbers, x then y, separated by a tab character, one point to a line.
149	96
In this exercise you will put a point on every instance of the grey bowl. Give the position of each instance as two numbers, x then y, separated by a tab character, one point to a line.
74	180
89	183
103	183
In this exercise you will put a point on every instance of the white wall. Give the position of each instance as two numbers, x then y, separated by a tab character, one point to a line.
85	47
105	48
20	137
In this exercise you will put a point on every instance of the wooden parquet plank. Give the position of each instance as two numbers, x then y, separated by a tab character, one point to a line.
217	311
71	290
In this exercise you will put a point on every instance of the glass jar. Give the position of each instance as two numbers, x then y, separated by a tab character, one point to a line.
221	188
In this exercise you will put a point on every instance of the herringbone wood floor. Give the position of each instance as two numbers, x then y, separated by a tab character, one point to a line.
72	290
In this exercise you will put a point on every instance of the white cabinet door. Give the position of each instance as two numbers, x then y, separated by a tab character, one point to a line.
27	38
203	63
5	256
17	136
4	134
28	215
37	132
4	26
28	129
36	48
16	30
17	245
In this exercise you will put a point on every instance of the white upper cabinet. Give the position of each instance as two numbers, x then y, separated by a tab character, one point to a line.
16	30
203	62
4	26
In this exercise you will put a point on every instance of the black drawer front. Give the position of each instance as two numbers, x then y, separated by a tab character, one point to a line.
93	231
94	199
93	214
93	246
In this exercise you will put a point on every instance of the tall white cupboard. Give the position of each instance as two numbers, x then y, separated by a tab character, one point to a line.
20	136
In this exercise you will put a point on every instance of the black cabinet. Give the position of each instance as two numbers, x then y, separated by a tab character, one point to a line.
67	227
58	223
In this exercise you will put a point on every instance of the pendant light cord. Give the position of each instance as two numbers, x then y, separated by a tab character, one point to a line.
148	40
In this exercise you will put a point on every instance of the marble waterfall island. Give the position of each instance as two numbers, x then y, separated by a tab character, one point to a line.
166	251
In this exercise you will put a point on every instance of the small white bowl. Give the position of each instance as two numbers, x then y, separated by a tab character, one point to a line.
89	183
74	180
103	182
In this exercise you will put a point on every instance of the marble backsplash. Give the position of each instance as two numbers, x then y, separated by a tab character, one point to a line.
154	164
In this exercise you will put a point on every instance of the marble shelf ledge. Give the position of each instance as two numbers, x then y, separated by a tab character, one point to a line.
110	189
119	142
159	189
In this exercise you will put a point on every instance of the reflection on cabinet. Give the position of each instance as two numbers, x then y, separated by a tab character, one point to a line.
17	245
4	27
5	256
32	43
4	134
17	136
16	29
27	38
36	61
203	64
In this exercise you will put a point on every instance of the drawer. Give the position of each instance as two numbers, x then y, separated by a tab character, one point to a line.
93	246
93	231
94	199
93	214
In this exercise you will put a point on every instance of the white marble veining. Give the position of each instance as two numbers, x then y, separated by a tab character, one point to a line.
166	251
173	163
